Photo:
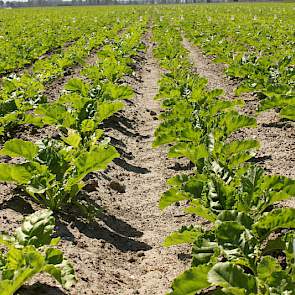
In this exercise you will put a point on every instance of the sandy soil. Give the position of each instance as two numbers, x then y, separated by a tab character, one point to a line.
277	152
121	252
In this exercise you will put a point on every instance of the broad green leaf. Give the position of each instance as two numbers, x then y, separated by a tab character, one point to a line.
20	148
234	215
276	219
63	273
172	196
54	256
87	125
36	229
186	235
96	159
288	112
238	146
228	233
73	139
188	150
197	208
234	121
191	281
77	85
203	251
56	114
107	109
267	266
228	275
18	173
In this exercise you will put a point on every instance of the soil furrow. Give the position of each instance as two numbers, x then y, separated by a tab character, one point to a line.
131	194
277	152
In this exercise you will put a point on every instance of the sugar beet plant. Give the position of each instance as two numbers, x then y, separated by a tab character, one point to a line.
32	250
249	246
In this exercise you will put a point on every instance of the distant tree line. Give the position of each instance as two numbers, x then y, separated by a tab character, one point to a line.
30	3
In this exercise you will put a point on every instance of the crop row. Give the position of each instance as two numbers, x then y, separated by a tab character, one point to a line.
256	44
52	170
24	38
22	93
248	246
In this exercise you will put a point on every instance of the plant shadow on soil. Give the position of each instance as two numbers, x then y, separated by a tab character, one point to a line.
121	124
39	288
108	227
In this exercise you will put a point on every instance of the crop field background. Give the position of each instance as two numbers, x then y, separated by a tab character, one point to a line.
148	150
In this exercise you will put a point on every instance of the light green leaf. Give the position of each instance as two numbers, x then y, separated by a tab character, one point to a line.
189	150
63	273
18	173
276	219
230	276
107	109
20	148
267	266
73	139
197	208
36	229
288	112
96	159
186	235
191	281
172	196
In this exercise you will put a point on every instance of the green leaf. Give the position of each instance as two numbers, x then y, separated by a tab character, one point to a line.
73	139
288	112
18	173
77	85
172	196
107	109
114	91
87	125
186	235
234	121
238	146
234	215
96	159
276	219
228	275
56	114
267	266
197	208
63	273
203	251
36	229
54	256
191	281
20	148
189	150
229	233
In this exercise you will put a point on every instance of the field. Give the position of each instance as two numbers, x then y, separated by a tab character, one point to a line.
147	150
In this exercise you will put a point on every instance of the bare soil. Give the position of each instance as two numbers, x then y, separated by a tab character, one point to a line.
277	152
121	252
